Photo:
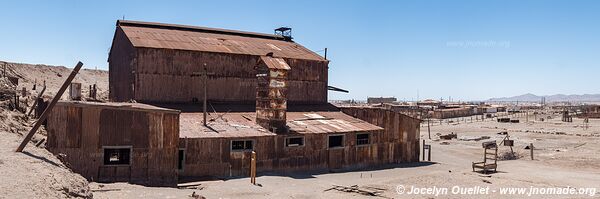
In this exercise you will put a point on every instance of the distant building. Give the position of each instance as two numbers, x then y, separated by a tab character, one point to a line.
380	100
429	102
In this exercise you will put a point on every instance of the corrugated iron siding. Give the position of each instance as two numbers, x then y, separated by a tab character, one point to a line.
213	157
155	65
81	131
122	58
401	131
397	142
164	75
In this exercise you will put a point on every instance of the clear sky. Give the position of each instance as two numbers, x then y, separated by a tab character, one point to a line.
470	50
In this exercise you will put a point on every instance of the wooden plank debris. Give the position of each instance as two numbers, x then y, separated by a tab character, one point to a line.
356	189
36	101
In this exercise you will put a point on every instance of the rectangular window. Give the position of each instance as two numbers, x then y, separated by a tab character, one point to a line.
117	155
362	139
242	145
335	141
294	141
181	159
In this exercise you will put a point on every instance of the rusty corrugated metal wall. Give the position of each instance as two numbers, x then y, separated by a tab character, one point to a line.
401	131
164	75
398	143
80	132
121	60
213	156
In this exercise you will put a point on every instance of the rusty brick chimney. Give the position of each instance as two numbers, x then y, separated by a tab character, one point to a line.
271	93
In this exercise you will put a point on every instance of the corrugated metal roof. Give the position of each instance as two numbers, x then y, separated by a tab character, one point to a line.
244	125
181	37
275	63
117	105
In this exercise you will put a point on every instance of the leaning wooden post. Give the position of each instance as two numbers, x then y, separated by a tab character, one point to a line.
46	112
531	149
36	101
253	168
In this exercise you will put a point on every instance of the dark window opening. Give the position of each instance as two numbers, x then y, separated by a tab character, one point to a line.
180	162
294	141
336	141
117	156
241	145
362	139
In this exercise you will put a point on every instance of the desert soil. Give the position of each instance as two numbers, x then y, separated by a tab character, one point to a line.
37	173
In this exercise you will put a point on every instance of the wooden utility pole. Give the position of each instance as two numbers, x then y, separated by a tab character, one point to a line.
46	112
204	74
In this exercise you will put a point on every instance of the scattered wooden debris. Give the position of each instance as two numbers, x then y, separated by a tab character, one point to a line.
449	136
40	142
474	138
104	190
580	145
196	196
356	189
190	185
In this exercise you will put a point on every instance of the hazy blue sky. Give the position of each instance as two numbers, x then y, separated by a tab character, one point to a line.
469	50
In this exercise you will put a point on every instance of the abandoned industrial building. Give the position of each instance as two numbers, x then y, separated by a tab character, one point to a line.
205	98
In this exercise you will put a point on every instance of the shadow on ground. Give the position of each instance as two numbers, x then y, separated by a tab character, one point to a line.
310	174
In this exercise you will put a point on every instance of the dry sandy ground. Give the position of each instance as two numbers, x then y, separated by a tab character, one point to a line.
560	161
30	74
35	173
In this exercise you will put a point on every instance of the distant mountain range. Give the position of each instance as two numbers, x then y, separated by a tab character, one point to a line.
551	98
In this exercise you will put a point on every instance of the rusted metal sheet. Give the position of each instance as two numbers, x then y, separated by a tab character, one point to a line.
275	63
209	153
75	91
242	124
170	36
121	60
166	76
401	131
157	74
81	130
271	93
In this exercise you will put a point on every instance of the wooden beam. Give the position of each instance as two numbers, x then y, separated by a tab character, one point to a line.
36	101
46	112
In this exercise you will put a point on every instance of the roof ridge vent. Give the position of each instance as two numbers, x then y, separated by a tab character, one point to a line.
285	32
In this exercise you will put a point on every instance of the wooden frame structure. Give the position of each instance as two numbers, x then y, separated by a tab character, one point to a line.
490	158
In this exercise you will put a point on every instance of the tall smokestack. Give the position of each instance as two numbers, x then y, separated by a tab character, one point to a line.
271	93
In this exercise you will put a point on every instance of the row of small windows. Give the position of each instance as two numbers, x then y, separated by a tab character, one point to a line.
122	155
334	141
